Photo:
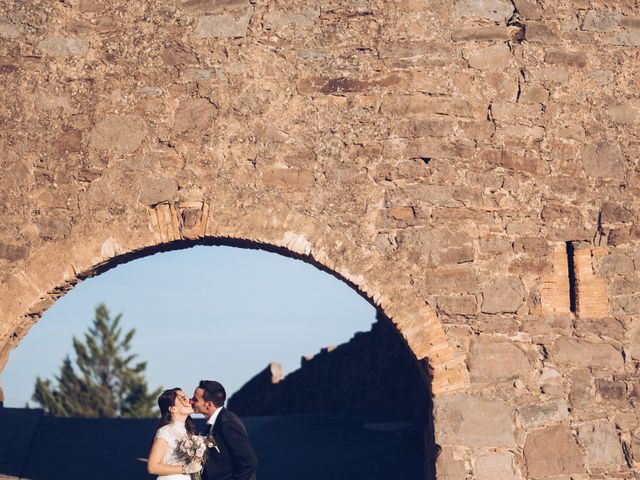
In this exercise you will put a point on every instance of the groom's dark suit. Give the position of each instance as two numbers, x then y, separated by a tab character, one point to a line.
236	459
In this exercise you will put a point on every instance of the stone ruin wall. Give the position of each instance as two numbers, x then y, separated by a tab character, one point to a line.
470	165
371	374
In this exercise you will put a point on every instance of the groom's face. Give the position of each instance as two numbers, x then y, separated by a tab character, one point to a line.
200	405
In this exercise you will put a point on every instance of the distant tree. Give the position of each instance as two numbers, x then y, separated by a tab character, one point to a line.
107	382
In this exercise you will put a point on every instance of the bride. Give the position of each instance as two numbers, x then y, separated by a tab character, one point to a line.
175	424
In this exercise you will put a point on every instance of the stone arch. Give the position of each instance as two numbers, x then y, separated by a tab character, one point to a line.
180	225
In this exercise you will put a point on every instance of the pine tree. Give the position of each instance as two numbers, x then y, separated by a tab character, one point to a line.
108	383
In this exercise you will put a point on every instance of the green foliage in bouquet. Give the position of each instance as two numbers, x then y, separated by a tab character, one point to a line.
106	384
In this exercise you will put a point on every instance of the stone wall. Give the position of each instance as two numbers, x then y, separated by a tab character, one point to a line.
373	373
470	166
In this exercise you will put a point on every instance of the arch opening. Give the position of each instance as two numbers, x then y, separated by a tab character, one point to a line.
422	415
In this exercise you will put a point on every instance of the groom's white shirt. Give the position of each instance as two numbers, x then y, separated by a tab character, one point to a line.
212	418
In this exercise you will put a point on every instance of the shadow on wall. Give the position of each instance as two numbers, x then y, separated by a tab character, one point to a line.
313	447
374	375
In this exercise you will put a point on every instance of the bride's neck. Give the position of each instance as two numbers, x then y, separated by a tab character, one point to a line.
179	419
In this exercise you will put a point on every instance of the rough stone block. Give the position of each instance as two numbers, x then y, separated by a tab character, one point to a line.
616	264
479	34
223	25
582	354
212	6
65	46
626	304
601	443
123	133
503	295
603	159
492	359
528	10
513	161
301	18
449	465
13	252
9	31
194	114
552	451
541	414
633	348
612	391
581	392
541	33
157	190
571	59
624	113
457	305
496	466
599	21
444	280
534	94
421	105
497	57
474	421
292	178
494	10
612	213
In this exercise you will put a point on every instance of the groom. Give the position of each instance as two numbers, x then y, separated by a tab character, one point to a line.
233	459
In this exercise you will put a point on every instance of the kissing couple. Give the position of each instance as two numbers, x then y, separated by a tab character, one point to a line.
222	452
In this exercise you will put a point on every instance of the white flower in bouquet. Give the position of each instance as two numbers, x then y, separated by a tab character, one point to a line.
191	450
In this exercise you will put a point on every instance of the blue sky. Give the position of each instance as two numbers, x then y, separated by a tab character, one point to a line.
209	312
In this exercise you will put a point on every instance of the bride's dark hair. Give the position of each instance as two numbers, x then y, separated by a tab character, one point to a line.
166	400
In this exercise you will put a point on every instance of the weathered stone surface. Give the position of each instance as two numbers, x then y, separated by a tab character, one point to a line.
13	252
505	294
541	33
541	414
495	10
528	10
601	443
211	6
496	466
157	190
552	451
479	34
65	46
193	114
223	25
581	388
634	341
613	213
497	57
603	159
289	178
496	360
451	280
624	113
450	465
8	30
458	305
626	304
582	354
600	21
302	18
611	391
474	421
617	264
572	59
123	133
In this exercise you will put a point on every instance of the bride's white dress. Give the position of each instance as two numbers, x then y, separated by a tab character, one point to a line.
171	434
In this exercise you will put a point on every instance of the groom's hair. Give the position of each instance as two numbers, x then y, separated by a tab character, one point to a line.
213	392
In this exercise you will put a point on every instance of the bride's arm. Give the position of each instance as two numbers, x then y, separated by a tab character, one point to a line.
155	466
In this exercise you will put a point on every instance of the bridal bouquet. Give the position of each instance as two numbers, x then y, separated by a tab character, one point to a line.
191	450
